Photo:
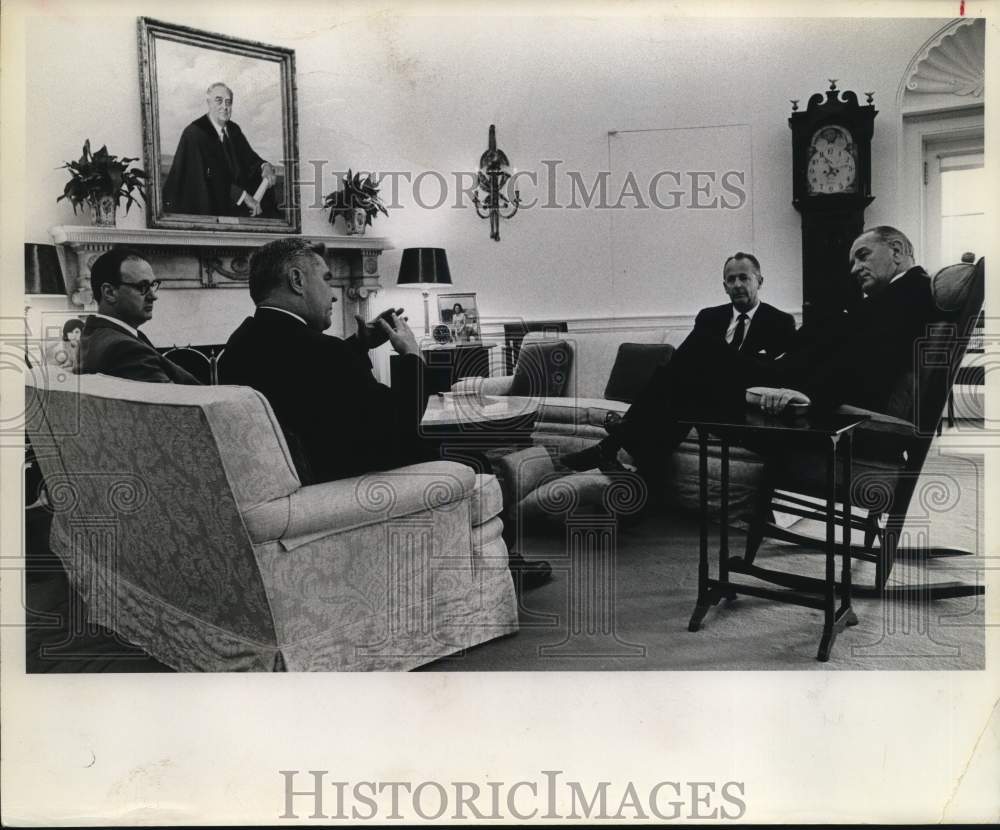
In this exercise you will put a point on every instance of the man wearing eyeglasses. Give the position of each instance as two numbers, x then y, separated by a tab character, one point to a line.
125	290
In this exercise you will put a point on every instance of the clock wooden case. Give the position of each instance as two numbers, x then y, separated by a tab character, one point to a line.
831	187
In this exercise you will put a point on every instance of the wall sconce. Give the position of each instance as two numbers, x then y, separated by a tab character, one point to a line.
494	173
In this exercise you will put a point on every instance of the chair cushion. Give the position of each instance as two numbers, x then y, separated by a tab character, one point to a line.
579	494
542	369
634	368
950	286
487	499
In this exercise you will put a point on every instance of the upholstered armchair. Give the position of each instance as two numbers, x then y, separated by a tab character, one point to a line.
180	519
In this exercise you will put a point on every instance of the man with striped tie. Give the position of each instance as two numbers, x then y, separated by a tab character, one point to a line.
125	290
742	329
745	323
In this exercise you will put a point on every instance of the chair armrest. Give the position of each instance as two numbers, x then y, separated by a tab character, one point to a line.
879	421
346	504
484	386
882	436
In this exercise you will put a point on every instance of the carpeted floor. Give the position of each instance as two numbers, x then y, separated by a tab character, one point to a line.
621	600
575	623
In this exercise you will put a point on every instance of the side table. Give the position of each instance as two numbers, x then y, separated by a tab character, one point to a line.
447	363
828	431
470	428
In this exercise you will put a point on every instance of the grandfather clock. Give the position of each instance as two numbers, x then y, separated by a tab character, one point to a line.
831	187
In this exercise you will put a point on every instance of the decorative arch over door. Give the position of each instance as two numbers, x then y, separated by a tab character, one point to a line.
951	63
940	99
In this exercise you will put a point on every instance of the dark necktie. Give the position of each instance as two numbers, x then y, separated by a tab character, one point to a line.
740	333
142	337
227	147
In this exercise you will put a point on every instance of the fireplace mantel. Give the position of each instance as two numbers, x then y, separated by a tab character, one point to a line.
212	260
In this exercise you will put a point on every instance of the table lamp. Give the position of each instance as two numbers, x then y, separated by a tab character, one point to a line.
424	268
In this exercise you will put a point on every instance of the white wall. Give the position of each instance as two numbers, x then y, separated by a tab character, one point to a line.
412	93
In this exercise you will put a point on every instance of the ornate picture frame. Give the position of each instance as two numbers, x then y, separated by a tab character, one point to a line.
207	172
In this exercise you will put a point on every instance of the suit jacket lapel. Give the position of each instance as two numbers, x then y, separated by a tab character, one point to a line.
756	325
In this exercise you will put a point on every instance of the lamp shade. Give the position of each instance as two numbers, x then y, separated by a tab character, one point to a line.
42	274
424	266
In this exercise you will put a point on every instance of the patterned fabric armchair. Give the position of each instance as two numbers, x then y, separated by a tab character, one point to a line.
181	521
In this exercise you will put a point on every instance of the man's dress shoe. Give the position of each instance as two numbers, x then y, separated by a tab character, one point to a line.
602	456
528	575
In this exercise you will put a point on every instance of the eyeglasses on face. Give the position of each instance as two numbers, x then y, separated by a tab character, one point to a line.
143	287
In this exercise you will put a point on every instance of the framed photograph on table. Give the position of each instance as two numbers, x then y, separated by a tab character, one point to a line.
219	131
460	314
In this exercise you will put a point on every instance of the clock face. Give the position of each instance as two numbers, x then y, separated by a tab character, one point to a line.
833	162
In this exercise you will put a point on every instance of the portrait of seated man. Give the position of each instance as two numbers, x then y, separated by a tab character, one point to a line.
215	171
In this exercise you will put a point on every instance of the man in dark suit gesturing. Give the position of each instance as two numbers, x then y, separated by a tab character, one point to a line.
745	323
125	290
215	171
338	419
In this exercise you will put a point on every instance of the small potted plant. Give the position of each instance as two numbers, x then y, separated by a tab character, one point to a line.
357	201
102	180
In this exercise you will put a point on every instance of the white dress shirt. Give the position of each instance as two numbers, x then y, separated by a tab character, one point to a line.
284	311
731	331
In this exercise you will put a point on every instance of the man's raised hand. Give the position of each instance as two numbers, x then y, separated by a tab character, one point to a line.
372	335
400	335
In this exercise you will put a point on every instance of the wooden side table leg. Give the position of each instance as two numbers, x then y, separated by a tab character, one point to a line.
724	520
829	588
703	604
845	612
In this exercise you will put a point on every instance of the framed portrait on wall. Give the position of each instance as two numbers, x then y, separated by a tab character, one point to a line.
459	313
219	131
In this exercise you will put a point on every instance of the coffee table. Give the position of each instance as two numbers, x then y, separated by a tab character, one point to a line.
471	428
830	432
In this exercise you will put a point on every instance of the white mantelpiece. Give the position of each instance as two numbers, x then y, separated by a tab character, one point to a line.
214	259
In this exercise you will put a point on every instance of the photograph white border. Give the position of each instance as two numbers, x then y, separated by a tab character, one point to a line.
810	747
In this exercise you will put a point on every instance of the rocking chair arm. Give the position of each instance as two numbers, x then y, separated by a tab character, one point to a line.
881	436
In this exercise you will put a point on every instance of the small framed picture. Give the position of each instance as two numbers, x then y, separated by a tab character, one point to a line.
459	313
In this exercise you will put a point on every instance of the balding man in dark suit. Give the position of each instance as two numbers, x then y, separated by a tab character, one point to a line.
125	289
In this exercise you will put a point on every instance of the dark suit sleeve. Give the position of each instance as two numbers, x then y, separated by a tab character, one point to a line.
349	423
784	334
178	374
702	319
409	391
128	358
861	364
